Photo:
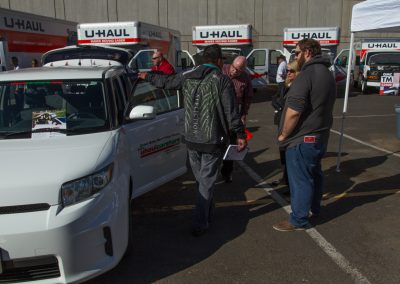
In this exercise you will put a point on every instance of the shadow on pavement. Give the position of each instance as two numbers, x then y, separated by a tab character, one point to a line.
163	244
359	193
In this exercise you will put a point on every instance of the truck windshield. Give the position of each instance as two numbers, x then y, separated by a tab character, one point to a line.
228	55
65	107
385	58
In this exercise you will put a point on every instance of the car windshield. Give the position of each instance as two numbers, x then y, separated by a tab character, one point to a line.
385	59
63	107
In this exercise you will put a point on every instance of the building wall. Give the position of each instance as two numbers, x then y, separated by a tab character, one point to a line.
268	17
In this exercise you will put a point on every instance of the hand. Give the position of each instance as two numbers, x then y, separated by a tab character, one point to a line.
244	119
242	144
142	75
281	138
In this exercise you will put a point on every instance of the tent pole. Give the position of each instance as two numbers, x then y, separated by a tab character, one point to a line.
346	96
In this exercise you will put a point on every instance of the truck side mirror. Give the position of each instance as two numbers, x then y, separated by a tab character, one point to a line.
251	62
133	65
184	63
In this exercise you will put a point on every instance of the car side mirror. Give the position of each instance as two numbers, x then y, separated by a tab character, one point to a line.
142	112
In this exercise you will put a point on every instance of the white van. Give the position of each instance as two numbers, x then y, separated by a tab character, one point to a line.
237	40
76	145
27	37
142	39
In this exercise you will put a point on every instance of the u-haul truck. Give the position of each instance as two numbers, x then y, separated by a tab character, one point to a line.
27	37
328	37
378	57
140	38
238	40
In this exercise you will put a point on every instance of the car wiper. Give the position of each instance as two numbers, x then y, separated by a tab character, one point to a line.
25	132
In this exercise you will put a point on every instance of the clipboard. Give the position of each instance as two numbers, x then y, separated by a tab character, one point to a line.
232	154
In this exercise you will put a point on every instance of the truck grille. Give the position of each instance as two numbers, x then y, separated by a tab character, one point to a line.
30	269
24	208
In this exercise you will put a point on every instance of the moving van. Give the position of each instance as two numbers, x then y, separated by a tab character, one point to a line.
27	37
238	40
140	38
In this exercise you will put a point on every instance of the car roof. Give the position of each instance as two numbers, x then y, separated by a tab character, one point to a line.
54	73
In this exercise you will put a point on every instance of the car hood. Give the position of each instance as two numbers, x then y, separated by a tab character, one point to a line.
32	171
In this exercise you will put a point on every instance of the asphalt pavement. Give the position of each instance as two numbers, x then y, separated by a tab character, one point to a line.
356	239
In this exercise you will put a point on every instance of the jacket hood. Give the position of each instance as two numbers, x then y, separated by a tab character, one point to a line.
200	72
319	59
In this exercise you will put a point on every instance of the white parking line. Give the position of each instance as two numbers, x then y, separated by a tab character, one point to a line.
327	247
366	116
367	144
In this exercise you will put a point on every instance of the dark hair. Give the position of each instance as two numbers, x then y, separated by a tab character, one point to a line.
14	58
282	57
311	45
212	53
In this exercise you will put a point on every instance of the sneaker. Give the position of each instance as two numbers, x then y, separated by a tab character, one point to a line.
197	232
286	226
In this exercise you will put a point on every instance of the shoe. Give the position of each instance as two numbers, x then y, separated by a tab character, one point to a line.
313	215
227	178
286	226
278	182
197	232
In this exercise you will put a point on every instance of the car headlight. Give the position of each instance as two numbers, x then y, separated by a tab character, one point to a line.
81	189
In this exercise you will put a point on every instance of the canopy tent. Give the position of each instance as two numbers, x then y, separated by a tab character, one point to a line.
368	16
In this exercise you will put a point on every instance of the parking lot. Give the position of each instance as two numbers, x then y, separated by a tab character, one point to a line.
355	240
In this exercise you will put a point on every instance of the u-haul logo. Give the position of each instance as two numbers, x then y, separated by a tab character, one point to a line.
104	33
221	34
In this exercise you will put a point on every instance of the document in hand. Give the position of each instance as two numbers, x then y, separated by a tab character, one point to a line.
233	154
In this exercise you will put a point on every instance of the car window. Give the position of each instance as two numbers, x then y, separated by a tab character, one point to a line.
78	106
162	100
119	95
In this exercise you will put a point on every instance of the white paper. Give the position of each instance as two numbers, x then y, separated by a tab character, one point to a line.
233	154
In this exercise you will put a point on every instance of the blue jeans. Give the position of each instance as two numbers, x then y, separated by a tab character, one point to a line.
205	167
303	163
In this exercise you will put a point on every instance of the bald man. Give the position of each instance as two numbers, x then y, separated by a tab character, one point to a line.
161	64
244	93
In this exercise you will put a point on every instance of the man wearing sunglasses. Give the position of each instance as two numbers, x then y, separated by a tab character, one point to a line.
304	133
160	64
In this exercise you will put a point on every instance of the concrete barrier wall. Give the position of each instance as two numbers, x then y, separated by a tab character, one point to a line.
268	17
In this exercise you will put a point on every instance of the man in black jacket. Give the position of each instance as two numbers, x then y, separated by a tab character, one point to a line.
304	132
211	115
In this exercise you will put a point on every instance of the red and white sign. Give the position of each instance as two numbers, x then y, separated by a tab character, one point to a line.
222	34
326	36
379	44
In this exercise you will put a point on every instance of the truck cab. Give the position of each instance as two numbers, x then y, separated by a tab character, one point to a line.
139	38
237	40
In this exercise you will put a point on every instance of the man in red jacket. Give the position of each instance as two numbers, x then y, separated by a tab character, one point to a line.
161	64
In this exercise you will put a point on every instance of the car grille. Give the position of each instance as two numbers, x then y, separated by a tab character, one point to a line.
30	269
24	208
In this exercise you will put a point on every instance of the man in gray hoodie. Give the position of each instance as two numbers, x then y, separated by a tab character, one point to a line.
211	116
304	133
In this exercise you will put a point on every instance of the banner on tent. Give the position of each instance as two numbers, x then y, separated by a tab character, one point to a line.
389	84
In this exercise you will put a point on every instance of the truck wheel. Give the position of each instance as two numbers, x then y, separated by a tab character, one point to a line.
364	87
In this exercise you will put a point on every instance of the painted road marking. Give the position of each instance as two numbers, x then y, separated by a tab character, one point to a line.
367	144
264	201
366	116
328	248
329	195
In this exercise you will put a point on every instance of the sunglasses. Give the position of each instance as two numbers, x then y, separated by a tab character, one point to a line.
154	58
290	71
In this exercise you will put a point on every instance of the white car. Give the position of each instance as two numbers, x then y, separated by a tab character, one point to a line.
65	198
